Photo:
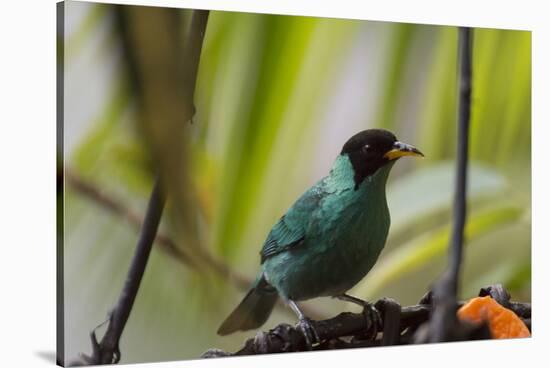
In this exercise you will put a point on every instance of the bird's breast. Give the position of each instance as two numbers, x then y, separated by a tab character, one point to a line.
336	257
357	235
343	240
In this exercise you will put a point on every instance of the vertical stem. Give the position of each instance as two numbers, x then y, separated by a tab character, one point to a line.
121	312
446	290
464	109
60	186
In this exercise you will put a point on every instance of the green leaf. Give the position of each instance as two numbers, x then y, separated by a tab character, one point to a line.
430	189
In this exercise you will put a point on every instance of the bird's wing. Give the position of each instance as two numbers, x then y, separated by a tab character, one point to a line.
281	237
290	230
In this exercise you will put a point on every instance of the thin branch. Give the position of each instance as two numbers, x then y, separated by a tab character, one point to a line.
445	291
166	244
151	222
107	351
348	330
391	315
459	211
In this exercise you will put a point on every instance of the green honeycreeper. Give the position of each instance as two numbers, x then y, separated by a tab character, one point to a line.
331	236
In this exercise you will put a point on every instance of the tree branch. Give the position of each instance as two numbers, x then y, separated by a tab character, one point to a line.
107	351
444	322
166	244
348	330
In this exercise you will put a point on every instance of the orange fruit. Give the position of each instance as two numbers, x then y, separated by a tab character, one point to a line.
503	323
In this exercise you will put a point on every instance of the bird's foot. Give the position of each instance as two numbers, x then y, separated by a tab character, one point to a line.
305	326
374	321
310	334
372	316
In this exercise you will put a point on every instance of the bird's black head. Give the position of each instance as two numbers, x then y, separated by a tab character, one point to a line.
371	149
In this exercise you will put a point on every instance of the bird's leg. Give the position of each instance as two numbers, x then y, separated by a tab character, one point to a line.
369	310
304	324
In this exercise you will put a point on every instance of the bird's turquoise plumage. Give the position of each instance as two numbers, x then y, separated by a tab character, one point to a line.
331	237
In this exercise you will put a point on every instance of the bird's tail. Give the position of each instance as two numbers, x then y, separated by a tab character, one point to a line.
253	310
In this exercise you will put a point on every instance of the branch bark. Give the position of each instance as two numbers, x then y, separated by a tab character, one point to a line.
107	351
443	324
348	330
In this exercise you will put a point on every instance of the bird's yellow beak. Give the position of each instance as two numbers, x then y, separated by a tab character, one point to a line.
402	149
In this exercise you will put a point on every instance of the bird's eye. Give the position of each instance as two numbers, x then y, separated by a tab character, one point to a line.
366	148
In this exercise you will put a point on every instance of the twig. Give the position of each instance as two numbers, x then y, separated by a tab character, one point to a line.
114	205
346	330
444	319
166	244
391	315
107	351
459	211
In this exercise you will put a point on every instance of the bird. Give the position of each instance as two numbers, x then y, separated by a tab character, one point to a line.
329	239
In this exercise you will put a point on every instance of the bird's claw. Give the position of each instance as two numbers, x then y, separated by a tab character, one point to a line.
309	332
371	314
373	319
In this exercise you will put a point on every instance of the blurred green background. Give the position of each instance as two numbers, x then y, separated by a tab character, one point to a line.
276	98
